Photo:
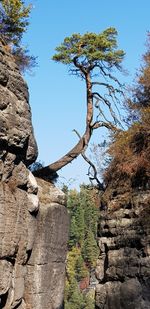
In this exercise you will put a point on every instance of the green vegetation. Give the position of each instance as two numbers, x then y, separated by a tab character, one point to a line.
14	20
87	51
94	58
83	248
129	165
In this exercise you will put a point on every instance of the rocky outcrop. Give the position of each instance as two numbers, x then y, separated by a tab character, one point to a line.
44	284
123	267
33	226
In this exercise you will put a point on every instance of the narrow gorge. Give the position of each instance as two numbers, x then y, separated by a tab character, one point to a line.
34	222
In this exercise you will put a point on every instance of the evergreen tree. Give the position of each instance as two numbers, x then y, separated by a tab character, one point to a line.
90	249
90	55
14	19
73	234
83	248
80	224
91	211
75	298
14	16
81	271
89	302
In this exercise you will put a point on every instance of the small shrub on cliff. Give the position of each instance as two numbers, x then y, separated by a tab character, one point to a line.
14	20
14	16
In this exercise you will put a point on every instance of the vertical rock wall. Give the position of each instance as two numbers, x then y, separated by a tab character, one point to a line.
123	268
33	235
46	267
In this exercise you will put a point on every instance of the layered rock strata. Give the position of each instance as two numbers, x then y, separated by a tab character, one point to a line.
123	267
33	226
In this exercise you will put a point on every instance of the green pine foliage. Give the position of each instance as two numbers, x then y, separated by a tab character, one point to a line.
14	20
90	249
75	297
81	269
83	247
89	302
90	49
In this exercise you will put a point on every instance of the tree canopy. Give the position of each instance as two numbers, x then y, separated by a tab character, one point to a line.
94	58
88	51
14	20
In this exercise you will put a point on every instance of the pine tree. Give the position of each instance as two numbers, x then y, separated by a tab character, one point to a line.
14	20
90	249
81	271
80	224
73	234
87	56
75	298
14	16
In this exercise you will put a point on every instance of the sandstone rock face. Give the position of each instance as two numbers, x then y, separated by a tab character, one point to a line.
16	132
44	284
123	268
33	226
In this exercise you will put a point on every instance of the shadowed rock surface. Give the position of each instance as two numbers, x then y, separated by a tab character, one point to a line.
33	227
123	267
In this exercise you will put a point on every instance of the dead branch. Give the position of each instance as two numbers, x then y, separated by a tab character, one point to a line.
91	176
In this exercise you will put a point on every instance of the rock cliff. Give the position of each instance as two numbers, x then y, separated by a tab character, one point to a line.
33	217
123	267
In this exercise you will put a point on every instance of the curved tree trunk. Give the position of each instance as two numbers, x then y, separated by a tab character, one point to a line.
50	170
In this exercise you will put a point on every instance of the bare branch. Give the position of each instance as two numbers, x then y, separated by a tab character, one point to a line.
108	74
103	99
108	86
90	175
108	125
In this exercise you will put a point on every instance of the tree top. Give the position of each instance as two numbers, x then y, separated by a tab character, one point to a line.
90	50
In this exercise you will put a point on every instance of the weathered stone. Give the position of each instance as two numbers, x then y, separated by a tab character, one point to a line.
44	283
20	175
4	76
100	269
8	165
17	85
33	204
33	235
16	132
32	184
123	268
5	275
120	295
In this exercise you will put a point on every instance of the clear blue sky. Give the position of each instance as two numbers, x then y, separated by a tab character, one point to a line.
57	99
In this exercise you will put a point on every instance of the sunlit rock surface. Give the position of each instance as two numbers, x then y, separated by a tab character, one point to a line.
46	267
33	225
